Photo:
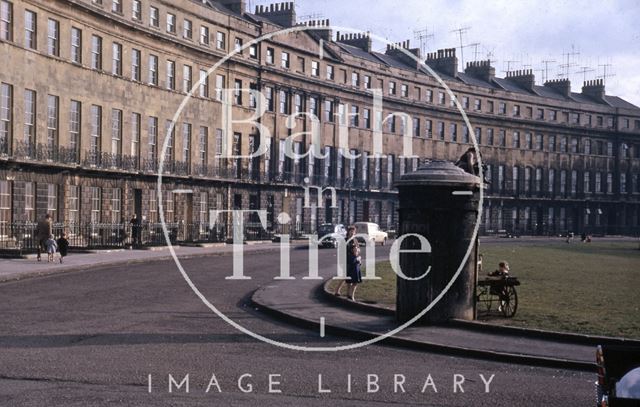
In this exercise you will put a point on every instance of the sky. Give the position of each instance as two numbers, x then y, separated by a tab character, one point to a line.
527	32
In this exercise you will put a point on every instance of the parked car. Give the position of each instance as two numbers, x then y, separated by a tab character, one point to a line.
372	230
618	383
330	233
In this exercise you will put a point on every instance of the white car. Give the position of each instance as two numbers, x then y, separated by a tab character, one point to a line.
372	230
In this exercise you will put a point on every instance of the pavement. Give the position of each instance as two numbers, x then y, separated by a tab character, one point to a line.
16	269
307	304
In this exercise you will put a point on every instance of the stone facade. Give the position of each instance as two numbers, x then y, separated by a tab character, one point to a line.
109	75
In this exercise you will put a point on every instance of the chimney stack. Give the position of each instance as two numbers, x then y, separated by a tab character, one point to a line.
594	89
320	28
563	86
444	61
524	78
237	6
398	51
481	70
359	40
283	14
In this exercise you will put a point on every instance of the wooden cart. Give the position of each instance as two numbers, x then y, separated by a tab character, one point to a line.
499	294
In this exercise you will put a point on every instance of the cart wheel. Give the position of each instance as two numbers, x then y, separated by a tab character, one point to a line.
509	301
484	301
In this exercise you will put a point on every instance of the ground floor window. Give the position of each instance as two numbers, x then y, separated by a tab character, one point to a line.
52	201
29	202
74	208
5	202
96	205
116	205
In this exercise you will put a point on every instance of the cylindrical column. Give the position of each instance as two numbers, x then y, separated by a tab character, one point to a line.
440	202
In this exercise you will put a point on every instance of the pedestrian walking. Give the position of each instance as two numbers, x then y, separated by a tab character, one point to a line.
52	248
63	246
44	231
354	262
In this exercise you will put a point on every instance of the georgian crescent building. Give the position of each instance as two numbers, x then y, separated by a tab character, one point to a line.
89	90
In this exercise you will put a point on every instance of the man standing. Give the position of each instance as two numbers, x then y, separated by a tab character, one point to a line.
44	231
135	230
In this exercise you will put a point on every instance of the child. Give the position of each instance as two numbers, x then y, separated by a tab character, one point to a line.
52	247
503	270
63	246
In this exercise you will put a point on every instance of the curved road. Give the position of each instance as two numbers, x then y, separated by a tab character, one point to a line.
92	338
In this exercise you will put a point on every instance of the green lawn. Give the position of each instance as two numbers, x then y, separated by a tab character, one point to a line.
585	288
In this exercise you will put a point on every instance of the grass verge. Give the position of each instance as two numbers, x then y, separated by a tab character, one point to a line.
583	288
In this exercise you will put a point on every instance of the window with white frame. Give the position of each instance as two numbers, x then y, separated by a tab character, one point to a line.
219	87
204	84
586	182
355	79
170	134
116	132
76	45
153	70
136	130
30	117
6	20
152	133
5	203
6	116
187	29
30	29
52	201
186	142
96	130
538	184
136	10
96	52
168	207
53	37
187	78
330	72
116	65
116	205
96	205
283	99
203	139
171	75
116	6
30	202
203	215
219	144
136	66
154	17
171	23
